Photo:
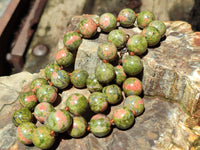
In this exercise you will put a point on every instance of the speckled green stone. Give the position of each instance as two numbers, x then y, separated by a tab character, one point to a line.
107	22
113	93
36	84
64	58
137	44
78	128
127	17
123	118
79	77
135	104
46	93
77	103
152	35
41	137
50	68
59	120
98	102
132	86
27	99
105	73
24	132
22	115
117	37
132	65
120	74
144	18
93	84
42	110
159	25
107	51
72	40
100	125
60	79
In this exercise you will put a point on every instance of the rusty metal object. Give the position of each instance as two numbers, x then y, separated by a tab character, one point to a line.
40	50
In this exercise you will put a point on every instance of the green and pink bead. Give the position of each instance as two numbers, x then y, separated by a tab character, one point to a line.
107	22
50	68
28	100
93	84
37	83
60	79
79	77
127	17
144	18
120	74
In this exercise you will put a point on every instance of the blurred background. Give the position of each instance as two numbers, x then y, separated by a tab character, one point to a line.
30	30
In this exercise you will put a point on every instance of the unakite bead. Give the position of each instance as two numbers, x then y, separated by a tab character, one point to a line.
64	58
144	18
72	40
159	25
117	37
27	99
100	125
120	74
60	79
107	22
50	68
127	17
79	77
93	84
137	44
36	84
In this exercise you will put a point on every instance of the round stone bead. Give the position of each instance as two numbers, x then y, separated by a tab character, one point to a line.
144	18
60	79
127	17
77	104
159	25
113	93
152	35
132	86
42	110
22	115
42	137
98	102
50	68
132	65
72	40
27	99
117	37
93	84
24	132
100	125
87	28
107	22
46	93
64	58
120	74
107	51
79	77
135	104
105	73
36	84
59	120
123	118
137	44
78	128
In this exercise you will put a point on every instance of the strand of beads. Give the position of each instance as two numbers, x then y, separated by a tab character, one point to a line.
105	85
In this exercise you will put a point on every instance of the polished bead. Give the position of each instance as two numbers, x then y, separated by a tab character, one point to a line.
144	18
60	79
79	77
93	84
159	25
107	22
50	68
127	17
36	84
120	74
28	100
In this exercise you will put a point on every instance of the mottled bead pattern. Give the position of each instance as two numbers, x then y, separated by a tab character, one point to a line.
42	110
60	79
123	118
24	132
132	86
132	65
59	120
135	104
64	58
72	40
120	74
137	44
159	25
27	99
144	18
98	102
93	84
87	28
77	104
42	137
105	73
113	92
22	115
78	128
36	84
107	22
50	68
127	17
79	77
46	93
100	125
117	37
